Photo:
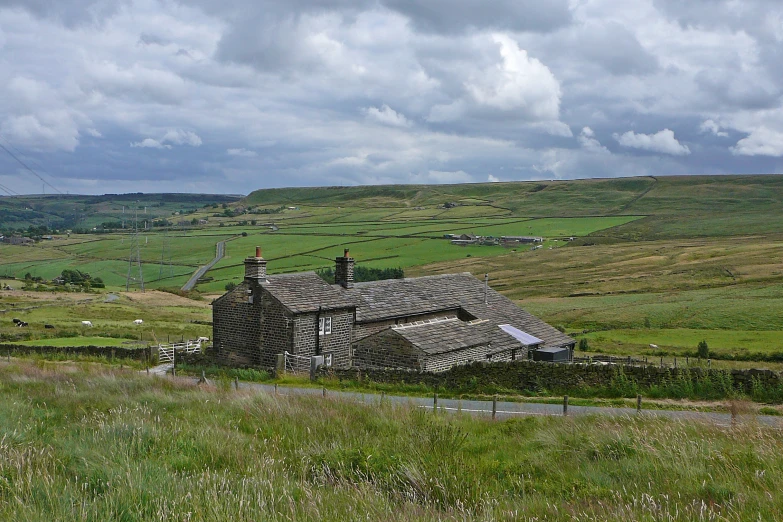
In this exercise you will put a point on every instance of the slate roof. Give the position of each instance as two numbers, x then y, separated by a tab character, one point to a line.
379	300
445	336
392	298
306	292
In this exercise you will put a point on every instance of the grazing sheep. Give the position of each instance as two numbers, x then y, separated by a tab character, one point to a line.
48	326
654	346
87	323
138	321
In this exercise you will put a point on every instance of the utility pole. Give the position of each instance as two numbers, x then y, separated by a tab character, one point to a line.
134	258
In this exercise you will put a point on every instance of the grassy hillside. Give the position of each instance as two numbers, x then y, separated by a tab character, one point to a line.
684	206
61	212
82	443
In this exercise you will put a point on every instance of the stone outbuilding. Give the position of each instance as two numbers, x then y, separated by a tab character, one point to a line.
426	323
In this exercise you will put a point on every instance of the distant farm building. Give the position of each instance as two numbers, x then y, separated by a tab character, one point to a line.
19	241
516	240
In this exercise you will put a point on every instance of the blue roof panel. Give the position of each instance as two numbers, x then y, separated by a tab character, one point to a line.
525	338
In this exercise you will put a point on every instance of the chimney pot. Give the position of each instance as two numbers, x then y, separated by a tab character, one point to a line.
255	267
343	270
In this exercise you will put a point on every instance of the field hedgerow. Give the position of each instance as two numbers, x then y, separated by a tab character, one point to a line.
88	443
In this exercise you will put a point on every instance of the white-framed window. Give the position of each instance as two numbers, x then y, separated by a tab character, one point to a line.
324	325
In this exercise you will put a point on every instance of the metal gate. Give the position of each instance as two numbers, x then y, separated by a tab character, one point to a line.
166	351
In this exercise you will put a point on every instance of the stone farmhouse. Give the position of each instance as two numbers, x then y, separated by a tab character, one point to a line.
425	323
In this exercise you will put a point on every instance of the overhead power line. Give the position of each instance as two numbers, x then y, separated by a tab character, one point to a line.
26	166
9	191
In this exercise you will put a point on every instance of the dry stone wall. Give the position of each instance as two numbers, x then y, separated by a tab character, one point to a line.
531	376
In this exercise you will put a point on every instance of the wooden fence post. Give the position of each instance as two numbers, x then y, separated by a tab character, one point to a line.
565	405
435	402
494	406
236	382
323	391
275	388
638	403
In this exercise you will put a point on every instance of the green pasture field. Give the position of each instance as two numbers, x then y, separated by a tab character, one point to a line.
751	308
114	273
292	248
112	316
83	442
680	340
76	341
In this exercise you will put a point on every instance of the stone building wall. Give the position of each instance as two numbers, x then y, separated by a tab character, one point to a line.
443	361
276	331
386	350
236	332
305	333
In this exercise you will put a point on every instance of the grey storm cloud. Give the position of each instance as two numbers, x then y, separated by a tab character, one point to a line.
234	95
69	12
456	16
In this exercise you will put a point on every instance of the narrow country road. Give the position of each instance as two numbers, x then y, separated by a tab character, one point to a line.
505	410
220	250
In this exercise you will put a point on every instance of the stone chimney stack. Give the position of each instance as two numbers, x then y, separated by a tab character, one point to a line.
255	267
343	270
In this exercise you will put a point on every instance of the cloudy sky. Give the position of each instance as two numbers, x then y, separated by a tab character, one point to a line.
228	96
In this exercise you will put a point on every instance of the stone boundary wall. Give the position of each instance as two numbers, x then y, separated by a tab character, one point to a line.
531	376
139	354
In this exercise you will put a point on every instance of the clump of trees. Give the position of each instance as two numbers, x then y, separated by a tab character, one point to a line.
703	350
362	274
79	278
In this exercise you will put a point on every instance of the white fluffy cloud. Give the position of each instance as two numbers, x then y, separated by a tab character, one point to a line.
711	127
589	142
662	141
761	142
518	84
171	137
149	143
387	116
242	153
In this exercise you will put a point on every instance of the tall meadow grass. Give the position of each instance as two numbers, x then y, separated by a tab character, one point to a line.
87	443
